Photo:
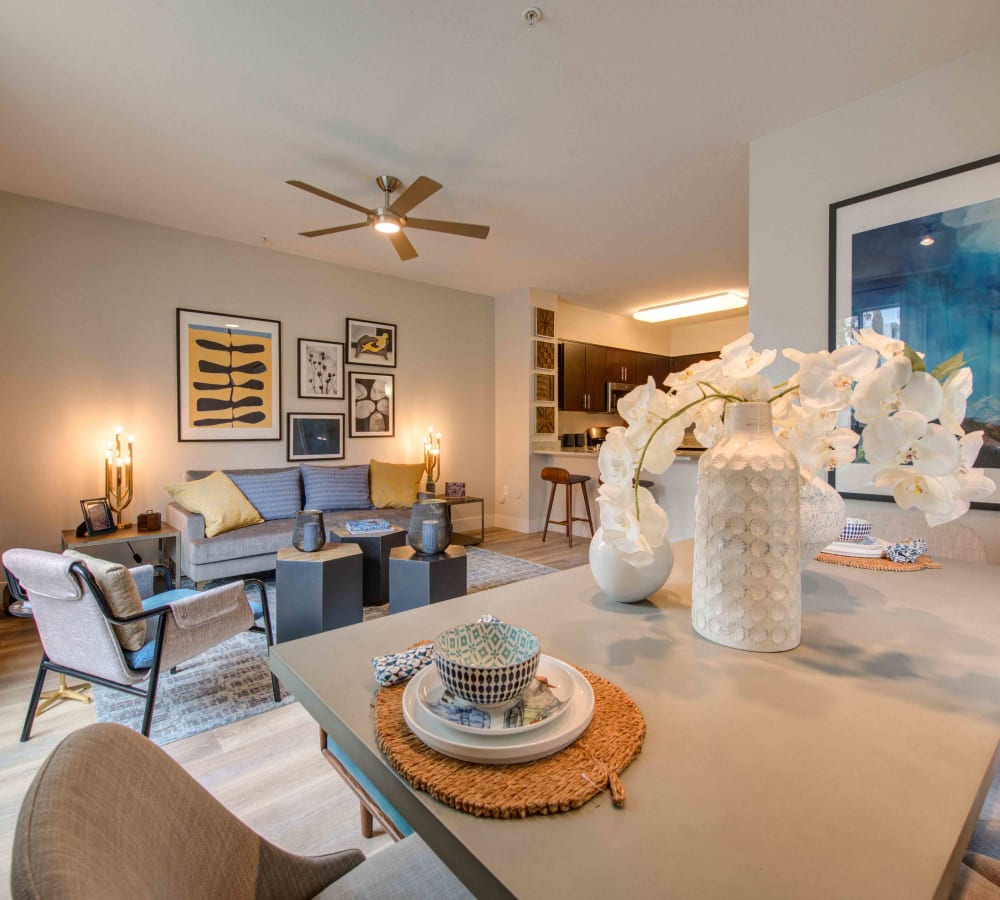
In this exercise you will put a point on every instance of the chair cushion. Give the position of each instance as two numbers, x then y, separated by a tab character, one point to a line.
334	488
223	505
142	657
120	589
275	495
395	484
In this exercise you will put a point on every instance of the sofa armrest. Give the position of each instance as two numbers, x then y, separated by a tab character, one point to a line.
143	578
190	525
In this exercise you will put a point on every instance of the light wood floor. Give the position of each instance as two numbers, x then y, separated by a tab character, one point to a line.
266	769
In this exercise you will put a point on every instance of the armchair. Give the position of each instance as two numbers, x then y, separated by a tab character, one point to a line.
74	621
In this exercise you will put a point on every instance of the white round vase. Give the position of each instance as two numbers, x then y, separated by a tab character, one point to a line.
625	583
822	514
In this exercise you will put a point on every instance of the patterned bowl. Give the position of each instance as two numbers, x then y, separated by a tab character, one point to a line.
486	663
855	530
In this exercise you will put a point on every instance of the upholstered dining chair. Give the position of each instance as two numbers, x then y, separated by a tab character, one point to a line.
949	541
82	635
110	815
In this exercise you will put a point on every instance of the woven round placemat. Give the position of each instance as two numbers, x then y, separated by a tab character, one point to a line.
563	781
879	564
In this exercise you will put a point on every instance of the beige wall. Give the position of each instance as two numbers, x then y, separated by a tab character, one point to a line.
699	337
591	326
88	315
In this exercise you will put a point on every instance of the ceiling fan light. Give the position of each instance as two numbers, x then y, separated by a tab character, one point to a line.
387	223
696	306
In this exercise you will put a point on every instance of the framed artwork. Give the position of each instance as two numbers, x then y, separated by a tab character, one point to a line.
545	322
372	404
545	420
315	436
321	369
228	377
920	261
97	516
371	343
545	387
545	355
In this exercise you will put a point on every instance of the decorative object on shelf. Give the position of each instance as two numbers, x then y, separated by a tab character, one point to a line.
371	343
454	488
228	377
822	514
372	405
625	583
545	355
147	521
432	458
321	369
545	420
545	387
903	260
97	517
746	591
118	473
545	322
309	534
367	526
315	436
436	514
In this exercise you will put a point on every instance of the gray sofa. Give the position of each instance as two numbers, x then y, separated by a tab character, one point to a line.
251	549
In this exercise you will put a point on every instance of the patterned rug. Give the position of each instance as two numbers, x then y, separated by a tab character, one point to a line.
232	681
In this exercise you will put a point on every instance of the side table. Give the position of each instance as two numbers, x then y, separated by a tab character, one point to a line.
376	548
418	580
317	591
466	539
133	535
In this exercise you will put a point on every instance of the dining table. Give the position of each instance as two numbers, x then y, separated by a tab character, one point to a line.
853	766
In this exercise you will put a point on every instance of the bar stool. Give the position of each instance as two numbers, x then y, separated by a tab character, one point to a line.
558	476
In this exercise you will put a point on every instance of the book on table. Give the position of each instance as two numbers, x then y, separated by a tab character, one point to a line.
367	526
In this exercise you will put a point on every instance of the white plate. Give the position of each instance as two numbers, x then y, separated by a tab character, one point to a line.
506	748
869	548
536	708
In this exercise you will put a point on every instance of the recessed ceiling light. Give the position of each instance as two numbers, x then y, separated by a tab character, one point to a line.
696	306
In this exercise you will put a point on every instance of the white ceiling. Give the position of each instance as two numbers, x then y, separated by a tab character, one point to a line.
606	147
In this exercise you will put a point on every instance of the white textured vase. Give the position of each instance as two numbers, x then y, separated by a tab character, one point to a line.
625	583
822	514
746	590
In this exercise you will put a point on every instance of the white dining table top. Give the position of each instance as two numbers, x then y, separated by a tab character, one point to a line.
852	766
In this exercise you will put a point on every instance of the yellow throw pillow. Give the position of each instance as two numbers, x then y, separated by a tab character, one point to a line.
224	506
118	586
394	485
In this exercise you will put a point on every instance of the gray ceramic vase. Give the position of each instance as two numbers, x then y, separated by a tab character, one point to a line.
309	534
430	527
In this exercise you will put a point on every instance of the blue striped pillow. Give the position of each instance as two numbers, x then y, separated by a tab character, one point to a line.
276	495
333	489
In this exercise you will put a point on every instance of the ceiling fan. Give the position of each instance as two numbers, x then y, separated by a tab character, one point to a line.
391	218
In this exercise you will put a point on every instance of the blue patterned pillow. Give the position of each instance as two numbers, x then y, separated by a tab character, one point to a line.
276	495
333	489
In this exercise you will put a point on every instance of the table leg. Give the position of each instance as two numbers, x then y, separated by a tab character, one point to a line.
482	520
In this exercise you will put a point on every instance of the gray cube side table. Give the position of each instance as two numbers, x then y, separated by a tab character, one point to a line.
417	580
376	549
317	591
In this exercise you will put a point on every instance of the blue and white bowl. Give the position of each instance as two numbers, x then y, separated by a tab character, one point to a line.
488	664
855	530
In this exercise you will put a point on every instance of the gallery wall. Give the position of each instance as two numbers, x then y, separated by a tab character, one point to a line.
89	315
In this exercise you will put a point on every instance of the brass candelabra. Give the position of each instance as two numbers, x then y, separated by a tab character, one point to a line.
432	458
118	474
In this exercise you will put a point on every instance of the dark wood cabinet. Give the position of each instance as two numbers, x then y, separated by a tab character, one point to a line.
621	365
572	376
680	363
652	364
597	363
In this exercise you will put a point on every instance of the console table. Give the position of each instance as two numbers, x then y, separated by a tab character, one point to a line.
464	539
129	535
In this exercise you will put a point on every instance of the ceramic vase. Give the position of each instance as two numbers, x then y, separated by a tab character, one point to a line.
746	589
822	514
437	536
625	583
309	534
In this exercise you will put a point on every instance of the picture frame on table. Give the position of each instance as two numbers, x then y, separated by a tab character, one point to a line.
321	369
372	404
228	377
919	261
314	436
97	516
371	343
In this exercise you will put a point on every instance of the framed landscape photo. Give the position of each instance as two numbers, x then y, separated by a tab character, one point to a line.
228	377
920	261
315	436
97	516
371	343
321	369
372	404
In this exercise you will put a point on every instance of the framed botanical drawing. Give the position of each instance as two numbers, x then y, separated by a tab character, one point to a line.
321	369
315	436
228	377
372	404
920	261
371	343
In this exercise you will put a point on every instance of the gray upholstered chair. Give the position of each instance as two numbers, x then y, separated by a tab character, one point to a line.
77	625
111	816
949	541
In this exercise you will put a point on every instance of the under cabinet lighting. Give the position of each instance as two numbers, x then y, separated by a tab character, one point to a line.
696	306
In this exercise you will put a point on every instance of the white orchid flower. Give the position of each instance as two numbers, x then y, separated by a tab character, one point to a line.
740	360
913	490
821	384
632	536
923	394
973	484
837	448
616	461
937	452
704	370
708	425
877	393
855	360
637	409
888	440
887	347
661	450
957	390
754	387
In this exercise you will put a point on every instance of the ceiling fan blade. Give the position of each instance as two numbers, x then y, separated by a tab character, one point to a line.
460	228
416	193
321	231
328	196
403	246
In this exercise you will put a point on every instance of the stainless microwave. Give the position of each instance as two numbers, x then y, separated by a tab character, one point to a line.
615	391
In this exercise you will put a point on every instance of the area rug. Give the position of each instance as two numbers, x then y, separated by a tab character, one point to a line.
232	681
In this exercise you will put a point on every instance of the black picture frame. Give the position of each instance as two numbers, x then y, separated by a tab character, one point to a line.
371	343
933	214
321	369
314	436
98	516
372	404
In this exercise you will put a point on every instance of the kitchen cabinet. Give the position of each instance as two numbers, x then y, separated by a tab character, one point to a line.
597	377
652	364
621	366
680	363
582	376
